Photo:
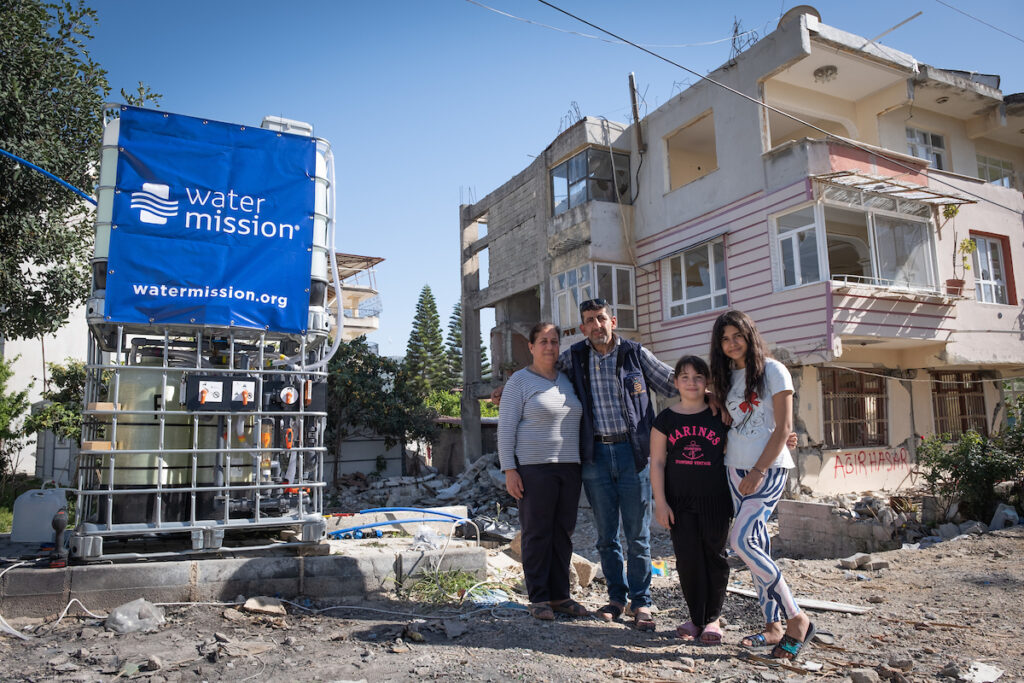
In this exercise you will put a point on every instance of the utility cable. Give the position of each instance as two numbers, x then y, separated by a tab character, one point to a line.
765	105
980	21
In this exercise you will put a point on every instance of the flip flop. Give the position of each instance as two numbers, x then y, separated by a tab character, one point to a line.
789	648
688	631
570	607
711	635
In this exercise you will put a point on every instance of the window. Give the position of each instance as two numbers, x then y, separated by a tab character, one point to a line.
868	238
691	151
989	275
930	146
798	247
995	171
959	403
589	176
855	408
612	283
696	280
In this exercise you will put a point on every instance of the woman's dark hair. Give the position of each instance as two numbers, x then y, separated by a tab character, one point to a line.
540	327
695	362
721	365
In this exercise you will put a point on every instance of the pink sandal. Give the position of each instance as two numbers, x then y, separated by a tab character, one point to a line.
688	631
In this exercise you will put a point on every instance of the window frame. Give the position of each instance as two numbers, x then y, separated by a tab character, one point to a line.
926	139
980	283
956	388
862	203
835	429
585	289
579	177
715	292
989	164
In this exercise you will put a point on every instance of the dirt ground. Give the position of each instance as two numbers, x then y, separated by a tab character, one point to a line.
934	612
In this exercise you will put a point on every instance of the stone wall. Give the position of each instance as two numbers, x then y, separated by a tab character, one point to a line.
820	531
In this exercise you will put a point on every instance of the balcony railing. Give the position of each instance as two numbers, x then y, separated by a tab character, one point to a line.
883	283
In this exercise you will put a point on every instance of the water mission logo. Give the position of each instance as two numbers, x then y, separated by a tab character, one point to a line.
153	204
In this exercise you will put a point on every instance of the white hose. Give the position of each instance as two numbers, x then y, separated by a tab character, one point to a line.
4	626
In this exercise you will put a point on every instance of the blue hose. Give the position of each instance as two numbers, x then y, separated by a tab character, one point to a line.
421	510
49	175
393	522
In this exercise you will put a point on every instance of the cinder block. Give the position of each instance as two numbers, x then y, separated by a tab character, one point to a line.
414	562
33	592
107	586
804	509
343	576
226	579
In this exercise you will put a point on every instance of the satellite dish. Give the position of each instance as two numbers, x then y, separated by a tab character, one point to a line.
796	12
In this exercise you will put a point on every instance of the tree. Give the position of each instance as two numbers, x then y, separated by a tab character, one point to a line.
13	405
454	368
370	392
424	354
51	114
63	413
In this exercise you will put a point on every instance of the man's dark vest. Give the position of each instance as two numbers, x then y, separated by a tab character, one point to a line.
634	394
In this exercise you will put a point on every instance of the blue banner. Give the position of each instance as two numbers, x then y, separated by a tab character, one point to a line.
212	224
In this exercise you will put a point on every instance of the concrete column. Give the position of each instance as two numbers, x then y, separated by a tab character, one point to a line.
471	381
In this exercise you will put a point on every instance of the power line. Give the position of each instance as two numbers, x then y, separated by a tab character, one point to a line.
765	105
605	40
980	21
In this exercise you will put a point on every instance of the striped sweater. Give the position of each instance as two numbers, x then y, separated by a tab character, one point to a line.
539	421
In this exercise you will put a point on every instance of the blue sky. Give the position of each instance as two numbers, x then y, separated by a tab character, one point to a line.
429	101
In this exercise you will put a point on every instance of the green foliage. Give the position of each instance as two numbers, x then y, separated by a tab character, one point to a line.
51	113
63	414
453	352
449	403
13	405
370	392
424	354
969	468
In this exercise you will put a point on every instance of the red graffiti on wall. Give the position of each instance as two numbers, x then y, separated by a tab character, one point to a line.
855	463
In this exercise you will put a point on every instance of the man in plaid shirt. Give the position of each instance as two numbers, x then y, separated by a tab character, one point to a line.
613	378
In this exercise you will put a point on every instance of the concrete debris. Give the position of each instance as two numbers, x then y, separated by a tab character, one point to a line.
583	569
855	561
453	628
265	605
949	530
980	672
864	676
1006	515
134	616
901	663
973	528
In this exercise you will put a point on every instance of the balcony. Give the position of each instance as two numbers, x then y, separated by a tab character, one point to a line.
360	301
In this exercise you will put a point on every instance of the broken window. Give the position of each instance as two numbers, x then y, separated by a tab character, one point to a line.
925	145
995	171
691	151
696	280
593	174
855	409
989	274
798	247
959	402
871	239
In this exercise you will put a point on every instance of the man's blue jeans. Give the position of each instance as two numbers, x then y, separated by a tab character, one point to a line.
614	488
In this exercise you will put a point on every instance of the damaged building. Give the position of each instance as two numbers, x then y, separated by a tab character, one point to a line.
864	208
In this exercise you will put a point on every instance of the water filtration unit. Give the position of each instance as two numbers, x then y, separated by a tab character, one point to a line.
206	376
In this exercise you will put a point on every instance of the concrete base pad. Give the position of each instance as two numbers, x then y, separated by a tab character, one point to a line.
355	569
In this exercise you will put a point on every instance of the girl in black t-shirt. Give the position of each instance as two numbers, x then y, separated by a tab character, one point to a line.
691	498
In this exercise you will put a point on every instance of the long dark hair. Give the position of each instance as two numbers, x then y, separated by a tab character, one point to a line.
721	365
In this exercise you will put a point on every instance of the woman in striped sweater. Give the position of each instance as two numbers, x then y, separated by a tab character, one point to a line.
538	446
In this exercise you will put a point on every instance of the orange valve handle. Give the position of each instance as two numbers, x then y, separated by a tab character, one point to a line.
245	398
289	437
202	397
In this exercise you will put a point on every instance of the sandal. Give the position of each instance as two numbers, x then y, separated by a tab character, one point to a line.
611	611
570	607
642	619
757	642
790	648
541	610
688	631
711	635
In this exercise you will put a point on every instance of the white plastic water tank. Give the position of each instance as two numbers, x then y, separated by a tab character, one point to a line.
33	515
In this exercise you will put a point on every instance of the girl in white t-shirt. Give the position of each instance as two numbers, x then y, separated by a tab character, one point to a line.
758	393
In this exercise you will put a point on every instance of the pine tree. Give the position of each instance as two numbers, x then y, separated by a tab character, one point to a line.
453	352
424	354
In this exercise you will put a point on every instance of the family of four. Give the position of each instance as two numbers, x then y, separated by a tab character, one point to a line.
583	418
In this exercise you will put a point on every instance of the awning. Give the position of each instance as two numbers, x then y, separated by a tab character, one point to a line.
887	185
